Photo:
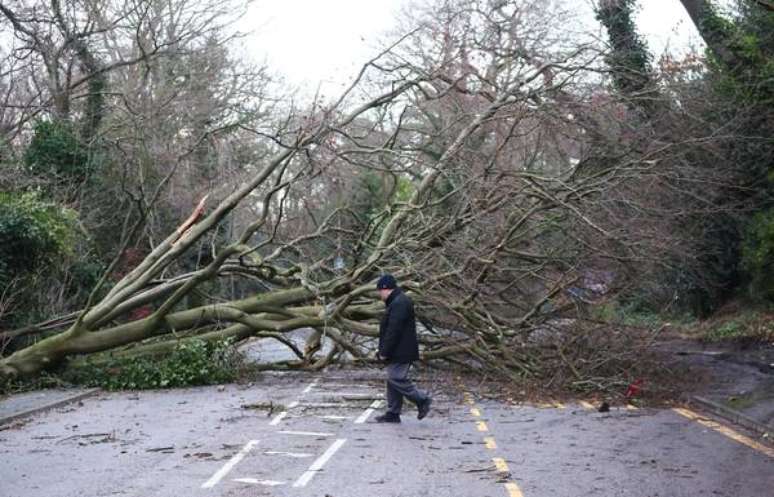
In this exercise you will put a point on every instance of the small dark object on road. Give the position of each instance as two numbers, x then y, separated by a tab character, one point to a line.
605	407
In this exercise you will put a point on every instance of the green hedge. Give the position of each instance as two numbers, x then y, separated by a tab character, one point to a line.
33	233
758	255
193	362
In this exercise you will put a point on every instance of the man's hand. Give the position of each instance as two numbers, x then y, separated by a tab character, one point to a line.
378	356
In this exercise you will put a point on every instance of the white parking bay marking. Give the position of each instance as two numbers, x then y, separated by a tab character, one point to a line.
343	385
307	433
288	454
319	463
356	395
311	386
279	417
268	483
230	465
323	405
364	417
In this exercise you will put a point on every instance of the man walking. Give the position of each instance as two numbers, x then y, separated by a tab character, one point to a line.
398	347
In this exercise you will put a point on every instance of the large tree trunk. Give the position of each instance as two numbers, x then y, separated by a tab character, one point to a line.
704	17
487	225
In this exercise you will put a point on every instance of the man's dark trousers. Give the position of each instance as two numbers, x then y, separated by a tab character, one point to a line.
399	386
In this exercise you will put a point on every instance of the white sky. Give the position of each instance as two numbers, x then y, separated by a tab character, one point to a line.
325	42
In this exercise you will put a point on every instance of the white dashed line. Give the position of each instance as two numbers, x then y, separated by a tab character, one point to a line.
319	463
311	386
268	483
363	417
279	417
297	455
230	465
307	433
343	385
326	404
355	395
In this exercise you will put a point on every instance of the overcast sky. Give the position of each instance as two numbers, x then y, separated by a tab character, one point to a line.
326	41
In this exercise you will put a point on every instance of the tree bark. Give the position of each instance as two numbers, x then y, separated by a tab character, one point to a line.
702	13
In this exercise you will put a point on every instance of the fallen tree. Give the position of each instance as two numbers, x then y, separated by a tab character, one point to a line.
470	149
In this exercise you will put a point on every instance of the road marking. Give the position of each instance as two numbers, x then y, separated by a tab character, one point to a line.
513	490
268	483
230	465
363	417
297	455
331	416
311	386
355	395
724	430
319	463
307	433
279	417
490	443
585	404
630	407
501	465
313	405
342	385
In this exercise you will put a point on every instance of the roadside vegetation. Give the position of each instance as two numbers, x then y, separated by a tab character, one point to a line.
551	201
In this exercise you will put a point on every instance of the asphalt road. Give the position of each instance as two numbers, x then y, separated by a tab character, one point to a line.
319	439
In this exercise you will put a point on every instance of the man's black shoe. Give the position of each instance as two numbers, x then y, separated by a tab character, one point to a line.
424	408
388	418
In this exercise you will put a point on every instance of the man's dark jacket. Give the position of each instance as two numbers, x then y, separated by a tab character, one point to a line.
398	330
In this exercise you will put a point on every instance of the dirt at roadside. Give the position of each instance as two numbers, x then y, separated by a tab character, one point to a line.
737	375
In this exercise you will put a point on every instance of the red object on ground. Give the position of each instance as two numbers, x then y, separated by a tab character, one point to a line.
634	388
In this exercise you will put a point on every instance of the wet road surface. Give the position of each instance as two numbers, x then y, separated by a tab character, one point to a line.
294	435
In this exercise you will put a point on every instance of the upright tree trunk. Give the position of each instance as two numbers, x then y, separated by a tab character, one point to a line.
717	38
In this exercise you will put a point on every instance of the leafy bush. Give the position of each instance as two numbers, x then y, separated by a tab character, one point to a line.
758	255
55	151
727	331
194	362
34	232
745	327
85	274
630	313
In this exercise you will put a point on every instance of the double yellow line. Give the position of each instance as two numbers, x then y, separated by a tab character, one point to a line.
512	487
713	425
725	430
490	443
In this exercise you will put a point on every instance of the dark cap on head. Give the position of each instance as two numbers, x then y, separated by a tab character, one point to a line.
386	282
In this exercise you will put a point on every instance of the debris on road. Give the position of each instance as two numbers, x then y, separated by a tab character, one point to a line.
165	450
270	407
